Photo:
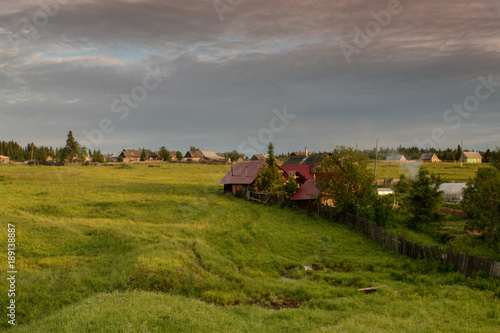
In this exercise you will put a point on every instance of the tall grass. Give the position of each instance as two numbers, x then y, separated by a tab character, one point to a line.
156	249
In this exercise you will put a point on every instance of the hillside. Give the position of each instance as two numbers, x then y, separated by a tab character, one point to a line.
139	249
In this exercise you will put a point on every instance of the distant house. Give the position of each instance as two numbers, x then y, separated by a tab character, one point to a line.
110	158
396	158
4	159
259	157
206	155
452	192
429	157
134	155
471	157
173	154
241	178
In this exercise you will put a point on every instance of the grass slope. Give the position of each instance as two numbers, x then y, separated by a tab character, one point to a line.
138	249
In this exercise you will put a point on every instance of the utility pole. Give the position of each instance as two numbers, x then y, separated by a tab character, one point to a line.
376	158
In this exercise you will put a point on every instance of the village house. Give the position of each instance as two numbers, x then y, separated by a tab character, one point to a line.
452	192
134	155
203	155
302	167
259	157
4	159
241	178
396	158
471	157
429	157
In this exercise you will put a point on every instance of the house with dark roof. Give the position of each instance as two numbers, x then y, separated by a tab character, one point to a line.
429	157
134	155
302	167
241	178
471	157
396	158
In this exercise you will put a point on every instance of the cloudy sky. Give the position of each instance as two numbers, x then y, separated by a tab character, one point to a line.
232	74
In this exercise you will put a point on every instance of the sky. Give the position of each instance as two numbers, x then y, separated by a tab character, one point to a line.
234	74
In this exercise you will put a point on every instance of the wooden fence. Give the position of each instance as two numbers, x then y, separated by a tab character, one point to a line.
464	263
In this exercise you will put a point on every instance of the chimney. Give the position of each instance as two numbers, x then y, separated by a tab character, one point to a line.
307	152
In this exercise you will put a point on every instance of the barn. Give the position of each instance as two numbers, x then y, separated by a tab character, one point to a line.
134	155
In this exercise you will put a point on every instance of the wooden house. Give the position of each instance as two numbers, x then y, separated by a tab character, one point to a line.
4	159
471	157
259	157
241	178
429	157
396	158
204	155
134	155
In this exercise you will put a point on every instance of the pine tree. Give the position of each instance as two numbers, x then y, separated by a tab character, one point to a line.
144	155
72	147
270	178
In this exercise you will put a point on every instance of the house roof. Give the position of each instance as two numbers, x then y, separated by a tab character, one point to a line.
242	173
395	158
308	191
304	170
259	157
472	154
311	160
207	154
452	188
137	153
427	156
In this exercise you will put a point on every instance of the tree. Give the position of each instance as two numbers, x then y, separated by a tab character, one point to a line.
97	157
165	154
482	203
424	198
193	148
72	147
234	155
178	155
291	187
144	155
458	154
345	179
270	178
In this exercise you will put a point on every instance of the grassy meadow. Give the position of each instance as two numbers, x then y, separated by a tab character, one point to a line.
140	249
450	172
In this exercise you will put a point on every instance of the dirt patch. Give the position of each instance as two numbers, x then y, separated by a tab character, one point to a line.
453	211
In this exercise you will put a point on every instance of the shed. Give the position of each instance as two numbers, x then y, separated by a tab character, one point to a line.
241	177
452	192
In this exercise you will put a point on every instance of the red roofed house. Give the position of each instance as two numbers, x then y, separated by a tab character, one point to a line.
302	167
241	177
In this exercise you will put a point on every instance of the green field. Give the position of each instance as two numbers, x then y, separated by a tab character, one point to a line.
139	249
450	172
